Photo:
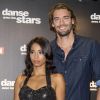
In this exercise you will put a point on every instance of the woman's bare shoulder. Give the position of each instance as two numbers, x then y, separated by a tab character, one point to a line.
20	79
57	76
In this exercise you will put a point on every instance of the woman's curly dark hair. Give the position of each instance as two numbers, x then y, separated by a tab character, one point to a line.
46	49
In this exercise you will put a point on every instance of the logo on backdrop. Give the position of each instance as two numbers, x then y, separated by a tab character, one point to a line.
93	86
20	16
23	49
1	50
95	18
7	84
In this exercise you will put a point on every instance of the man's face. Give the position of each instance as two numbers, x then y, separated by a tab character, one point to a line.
62	22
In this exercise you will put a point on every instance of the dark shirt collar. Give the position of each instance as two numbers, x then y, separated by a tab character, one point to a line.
76	38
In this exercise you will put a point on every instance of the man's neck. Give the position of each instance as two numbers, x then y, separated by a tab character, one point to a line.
65	41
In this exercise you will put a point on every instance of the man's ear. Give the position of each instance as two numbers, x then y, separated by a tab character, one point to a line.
52	25
73	21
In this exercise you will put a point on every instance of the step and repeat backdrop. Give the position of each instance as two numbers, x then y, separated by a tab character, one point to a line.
22	20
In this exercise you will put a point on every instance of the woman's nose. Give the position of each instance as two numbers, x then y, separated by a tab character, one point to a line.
36	55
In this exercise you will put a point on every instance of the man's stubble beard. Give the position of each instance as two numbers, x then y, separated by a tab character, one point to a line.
66	33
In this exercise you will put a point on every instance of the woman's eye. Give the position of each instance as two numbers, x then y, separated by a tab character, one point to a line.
40	52
32	52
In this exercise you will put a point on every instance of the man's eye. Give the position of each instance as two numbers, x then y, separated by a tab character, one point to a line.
66	17
56	19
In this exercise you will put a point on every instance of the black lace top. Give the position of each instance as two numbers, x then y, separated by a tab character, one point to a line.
43	93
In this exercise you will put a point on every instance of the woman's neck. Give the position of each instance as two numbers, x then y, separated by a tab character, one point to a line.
39	71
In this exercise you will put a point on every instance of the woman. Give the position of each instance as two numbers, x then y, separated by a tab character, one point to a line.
37	82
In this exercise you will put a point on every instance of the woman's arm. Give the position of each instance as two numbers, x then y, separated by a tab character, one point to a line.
60	87
98	94
17	87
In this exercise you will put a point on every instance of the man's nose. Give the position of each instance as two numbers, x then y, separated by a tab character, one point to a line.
61	21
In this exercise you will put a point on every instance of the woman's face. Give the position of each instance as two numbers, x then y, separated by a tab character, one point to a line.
37	57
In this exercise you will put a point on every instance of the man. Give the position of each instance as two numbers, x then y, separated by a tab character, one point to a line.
76	57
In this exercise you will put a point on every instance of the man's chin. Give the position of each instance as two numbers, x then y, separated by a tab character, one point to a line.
63	34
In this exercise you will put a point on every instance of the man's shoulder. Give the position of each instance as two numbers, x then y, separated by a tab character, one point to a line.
85	39
53	42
